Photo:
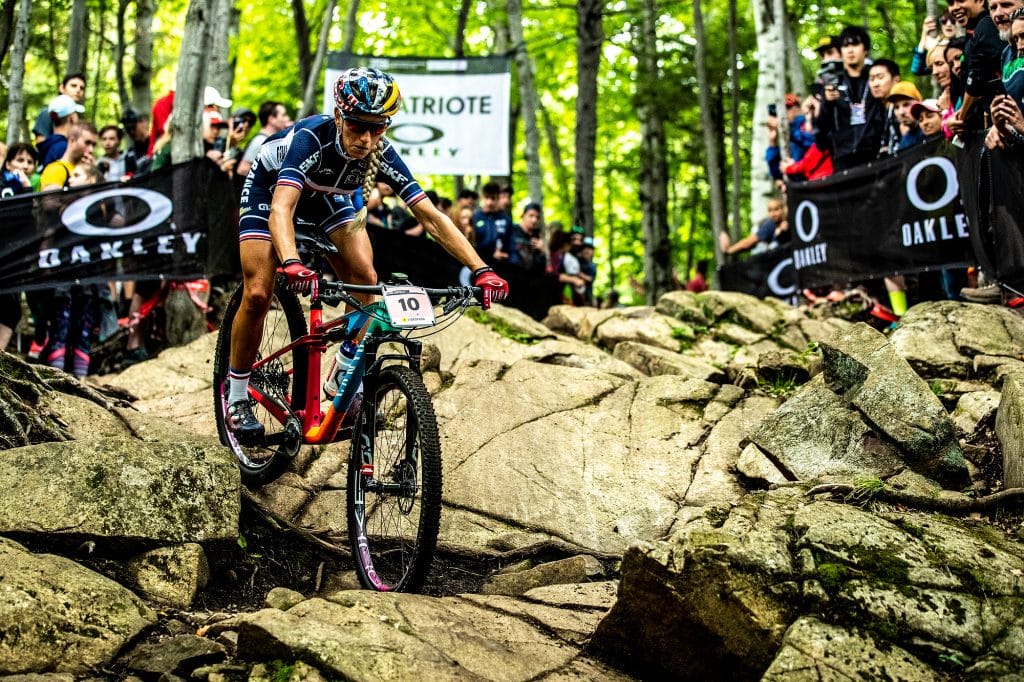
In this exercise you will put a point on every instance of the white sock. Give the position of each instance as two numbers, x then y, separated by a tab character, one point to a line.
238	386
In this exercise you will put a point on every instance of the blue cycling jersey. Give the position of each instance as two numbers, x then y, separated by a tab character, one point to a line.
308	157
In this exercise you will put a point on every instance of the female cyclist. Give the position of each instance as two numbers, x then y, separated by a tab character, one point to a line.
309	172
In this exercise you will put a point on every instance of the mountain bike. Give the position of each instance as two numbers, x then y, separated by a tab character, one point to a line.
393	496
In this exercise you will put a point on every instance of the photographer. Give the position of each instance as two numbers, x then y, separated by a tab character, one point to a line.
851	117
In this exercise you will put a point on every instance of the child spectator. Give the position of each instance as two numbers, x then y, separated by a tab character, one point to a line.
72	325
929	118
699	282
19	164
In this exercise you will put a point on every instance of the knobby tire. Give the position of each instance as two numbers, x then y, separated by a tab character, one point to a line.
393	533
285	378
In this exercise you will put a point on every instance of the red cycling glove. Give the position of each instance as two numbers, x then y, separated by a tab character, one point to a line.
494	288
300	278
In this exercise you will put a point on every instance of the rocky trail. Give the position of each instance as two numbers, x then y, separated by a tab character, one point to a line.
714	488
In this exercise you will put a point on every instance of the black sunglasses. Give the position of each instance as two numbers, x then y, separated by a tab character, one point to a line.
359	126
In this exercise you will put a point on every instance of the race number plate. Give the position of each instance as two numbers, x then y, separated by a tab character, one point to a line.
409	307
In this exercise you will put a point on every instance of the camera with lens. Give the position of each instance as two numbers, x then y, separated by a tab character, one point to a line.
830	73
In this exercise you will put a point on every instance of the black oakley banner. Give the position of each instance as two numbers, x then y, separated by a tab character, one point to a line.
765	274
992	190
176	223
897	216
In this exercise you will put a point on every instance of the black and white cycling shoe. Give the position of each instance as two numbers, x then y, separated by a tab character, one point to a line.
243	424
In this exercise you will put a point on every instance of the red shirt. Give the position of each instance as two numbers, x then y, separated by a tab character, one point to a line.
161	112
697	284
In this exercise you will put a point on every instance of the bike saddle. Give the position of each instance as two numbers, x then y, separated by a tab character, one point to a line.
311	242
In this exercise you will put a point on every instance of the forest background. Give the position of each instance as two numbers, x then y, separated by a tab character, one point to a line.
642	121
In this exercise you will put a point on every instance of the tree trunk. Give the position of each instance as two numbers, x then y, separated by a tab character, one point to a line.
351	26
302	39
218	68
555	149
459	51
780	25
99	31
187	116
6	27
459	40
711	134
78	37
771	59
589	38
15	96
932	10
309	97
119	47
528	102
734	126
653	165
142	70
794	62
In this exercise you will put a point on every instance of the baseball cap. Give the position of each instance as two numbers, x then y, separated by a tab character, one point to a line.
792	100
212	98
826	43
904	89
927	105
214	119
63	106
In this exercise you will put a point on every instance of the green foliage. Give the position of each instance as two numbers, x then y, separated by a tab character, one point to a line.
267	68
279	671
780	386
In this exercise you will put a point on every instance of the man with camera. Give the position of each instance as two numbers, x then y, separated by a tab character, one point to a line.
851	118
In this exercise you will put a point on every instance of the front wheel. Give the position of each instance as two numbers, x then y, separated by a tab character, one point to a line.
282	381
394	482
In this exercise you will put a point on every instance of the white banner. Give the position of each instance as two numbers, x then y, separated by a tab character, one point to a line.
455	112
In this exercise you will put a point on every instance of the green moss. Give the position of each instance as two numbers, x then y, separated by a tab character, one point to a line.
832	576
781	386
279	671
501	327
882	565
685	336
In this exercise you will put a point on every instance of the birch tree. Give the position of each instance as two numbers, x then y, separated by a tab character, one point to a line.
218	67
78	37
711	136
310	92
653	164
16	96
734	125
119	50
794	62
528	102
142	69
589	38
771	60
186	121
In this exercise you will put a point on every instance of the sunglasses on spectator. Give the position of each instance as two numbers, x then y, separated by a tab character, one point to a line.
947	20
359	126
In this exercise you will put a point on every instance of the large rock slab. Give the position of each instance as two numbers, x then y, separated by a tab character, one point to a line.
58	616
729	589
865	369
643	325
815	434
1010	430
940	338
569	461
370	636
655	361
121	490
743	309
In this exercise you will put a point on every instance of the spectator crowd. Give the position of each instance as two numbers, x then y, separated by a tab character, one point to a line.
861	108
969	62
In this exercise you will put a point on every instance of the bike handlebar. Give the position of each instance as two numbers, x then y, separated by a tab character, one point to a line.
377	289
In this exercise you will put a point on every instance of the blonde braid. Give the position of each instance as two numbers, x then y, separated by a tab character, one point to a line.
369	183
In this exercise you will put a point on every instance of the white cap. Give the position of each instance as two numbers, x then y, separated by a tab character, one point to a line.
212	98
64	106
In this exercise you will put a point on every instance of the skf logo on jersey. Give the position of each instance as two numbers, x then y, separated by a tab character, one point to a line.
310	162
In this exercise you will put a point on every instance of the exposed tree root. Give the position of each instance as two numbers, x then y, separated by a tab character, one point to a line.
951	505
311	536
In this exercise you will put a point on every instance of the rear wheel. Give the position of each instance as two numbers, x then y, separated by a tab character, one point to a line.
283	381
394	482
